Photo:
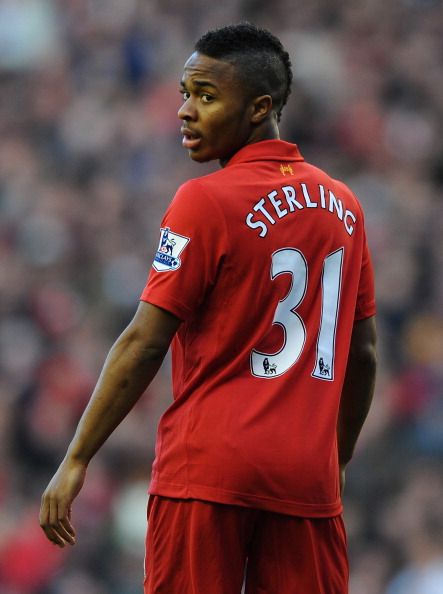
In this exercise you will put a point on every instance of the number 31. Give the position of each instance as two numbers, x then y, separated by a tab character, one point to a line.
292	261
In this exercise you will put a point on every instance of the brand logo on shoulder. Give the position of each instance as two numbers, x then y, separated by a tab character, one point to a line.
168	253
286	169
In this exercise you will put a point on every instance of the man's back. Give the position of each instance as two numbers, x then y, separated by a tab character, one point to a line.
273	274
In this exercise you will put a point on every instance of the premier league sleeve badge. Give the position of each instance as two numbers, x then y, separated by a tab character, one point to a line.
168	253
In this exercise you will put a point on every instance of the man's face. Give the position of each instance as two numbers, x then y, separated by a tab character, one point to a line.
215	112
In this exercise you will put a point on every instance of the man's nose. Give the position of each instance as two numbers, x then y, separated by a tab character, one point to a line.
187	111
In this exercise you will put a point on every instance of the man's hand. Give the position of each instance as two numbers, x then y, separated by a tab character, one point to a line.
55	510
130	366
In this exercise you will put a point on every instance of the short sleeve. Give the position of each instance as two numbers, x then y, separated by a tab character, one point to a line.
365	307
192	246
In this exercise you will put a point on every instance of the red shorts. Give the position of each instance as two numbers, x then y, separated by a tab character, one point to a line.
198	547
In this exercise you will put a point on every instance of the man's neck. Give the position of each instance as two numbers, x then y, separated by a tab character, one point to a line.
268	131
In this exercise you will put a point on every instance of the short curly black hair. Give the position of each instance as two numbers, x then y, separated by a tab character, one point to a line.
263	65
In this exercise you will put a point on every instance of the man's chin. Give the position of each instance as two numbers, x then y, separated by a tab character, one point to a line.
200	157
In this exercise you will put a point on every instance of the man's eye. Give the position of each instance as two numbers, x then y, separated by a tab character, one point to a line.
185	94
207	98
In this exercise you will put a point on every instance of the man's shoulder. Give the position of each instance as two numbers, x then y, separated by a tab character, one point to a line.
319	172
198	195
338	185
191	188
204	187
213	178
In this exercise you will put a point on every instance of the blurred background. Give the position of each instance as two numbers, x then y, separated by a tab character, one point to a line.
90	156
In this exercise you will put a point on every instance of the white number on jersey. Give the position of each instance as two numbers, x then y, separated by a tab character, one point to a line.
292	261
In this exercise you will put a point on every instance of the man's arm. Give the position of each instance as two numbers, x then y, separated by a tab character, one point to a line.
129	368
358	390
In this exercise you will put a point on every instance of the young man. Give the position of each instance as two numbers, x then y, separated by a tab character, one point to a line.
263	283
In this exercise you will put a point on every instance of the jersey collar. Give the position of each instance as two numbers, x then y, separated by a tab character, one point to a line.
266	150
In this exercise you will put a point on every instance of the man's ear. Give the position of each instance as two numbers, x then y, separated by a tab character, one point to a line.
262	107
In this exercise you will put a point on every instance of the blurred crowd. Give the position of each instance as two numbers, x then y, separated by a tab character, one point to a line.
90	156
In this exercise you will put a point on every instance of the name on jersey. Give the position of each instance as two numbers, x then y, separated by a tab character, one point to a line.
280	203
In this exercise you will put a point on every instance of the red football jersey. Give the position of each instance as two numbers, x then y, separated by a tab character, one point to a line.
266	263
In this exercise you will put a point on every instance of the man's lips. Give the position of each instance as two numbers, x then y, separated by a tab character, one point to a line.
191	140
